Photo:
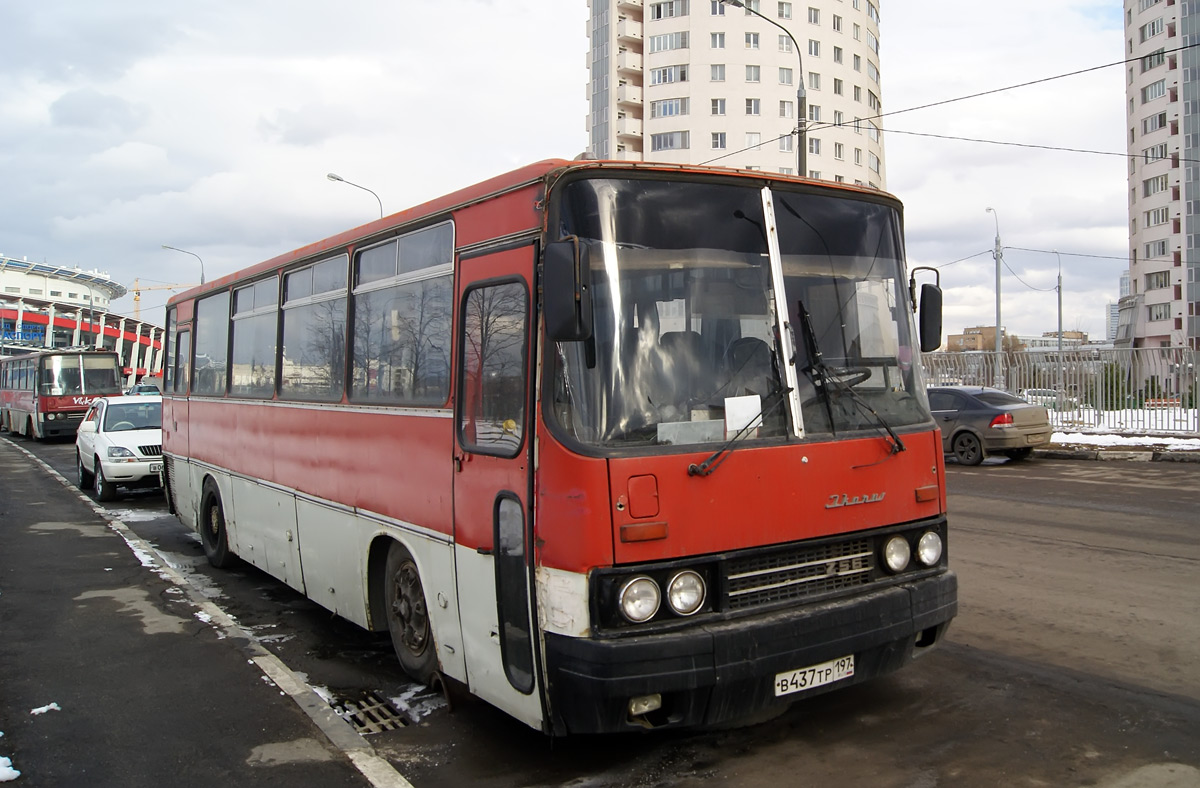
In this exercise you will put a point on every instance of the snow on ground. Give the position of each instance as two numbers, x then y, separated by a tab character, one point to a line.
7	772
1134	442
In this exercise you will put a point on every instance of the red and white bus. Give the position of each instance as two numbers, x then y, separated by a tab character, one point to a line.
616	446
44	393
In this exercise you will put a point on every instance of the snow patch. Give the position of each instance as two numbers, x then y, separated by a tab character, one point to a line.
419	702
46	708
1130	441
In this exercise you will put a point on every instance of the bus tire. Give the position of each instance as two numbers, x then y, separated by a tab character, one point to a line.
213	534
105	490
83	478
408	615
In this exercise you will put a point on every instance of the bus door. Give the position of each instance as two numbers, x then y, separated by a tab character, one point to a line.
492	462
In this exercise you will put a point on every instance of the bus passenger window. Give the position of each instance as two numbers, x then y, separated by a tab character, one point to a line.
492	406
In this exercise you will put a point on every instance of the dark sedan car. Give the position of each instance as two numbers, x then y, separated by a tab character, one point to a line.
977	421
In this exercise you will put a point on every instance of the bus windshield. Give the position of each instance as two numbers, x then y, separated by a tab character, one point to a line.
66	375
685	348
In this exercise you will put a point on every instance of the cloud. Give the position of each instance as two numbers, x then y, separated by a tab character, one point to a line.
211	127
88	108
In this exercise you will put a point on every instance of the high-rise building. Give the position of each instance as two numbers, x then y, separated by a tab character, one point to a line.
1162	308
706	81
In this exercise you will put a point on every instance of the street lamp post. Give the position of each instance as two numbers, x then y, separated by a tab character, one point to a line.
801	95
333	176
193	254
998	254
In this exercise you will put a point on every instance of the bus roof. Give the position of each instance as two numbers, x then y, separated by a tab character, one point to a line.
509	181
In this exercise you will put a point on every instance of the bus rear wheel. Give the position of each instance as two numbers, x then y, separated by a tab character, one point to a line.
213	534
408	616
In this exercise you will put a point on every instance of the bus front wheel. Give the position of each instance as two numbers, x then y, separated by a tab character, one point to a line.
212	528
408	616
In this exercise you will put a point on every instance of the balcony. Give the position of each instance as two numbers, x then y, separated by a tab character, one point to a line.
630	5
629	95
629	31
629	63
629	129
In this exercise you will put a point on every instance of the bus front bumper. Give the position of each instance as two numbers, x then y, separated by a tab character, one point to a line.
725	672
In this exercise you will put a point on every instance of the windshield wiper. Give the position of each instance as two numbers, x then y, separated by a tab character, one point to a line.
817	368
720	455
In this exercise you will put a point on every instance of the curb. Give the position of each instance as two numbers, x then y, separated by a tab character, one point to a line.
1147	455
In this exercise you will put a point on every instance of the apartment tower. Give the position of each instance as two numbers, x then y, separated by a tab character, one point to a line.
712	82
1162	308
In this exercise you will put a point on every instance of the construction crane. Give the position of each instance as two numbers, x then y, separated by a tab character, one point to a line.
137	294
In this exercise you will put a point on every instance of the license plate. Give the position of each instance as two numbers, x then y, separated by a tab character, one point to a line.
814	676
155	467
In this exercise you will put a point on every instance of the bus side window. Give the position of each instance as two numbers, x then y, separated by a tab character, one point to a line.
182	360
492	419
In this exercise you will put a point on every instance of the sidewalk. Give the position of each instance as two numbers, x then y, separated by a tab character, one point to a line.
112	675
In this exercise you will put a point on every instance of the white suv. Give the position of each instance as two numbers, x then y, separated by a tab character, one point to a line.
119	444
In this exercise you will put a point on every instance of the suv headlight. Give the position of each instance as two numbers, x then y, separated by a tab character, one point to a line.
115	452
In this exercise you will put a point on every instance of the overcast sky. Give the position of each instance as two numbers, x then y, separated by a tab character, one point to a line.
211	126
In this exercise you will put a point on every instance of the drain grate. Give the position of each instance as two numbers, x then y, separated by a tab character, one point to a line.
369	713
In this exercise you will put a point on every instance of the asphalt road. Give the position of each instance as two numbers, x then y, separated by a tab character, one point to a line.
1075	658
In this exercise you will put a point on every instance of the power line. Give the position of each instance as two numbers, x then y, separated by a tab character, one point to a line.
818	125
1024	84
962	259
1020	144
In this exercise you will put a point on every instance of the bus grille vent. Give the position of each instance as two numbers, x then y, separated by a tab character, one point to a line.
798	572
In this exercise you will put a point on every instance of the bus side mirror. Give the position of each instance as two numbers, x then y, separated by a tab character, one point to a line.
931	318
566	300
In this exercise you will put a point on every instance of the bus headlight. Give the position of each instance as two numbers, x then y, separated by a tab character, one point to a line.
929	549
896	553
639	599
686	592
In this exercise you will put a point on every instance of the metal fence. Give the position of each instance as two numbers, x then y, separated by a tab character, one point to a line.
1142	391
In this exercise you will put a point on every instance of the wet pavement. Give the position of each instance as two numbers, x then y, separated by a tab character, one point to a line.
113	675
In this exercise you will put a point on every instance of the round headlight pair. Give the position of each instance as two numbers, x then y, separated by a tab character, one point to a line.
641	597
897	553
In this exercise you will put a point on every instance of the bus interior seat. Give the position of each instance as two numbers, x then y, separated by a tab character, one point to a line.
748	365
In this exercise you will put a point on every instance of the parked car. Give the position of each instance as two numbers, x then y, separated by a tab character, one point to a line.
977	421
143	388
119	444
1050	398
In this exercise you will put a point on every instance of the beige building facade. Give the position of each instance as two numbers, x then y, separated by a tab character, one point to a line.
709	82
1162	308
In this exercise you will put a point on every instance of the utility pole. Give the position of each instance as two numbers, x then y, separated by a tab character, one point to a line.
998	254
801	95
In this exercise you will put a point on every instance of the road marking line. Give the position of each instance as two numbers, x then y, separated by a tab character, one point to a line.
378	770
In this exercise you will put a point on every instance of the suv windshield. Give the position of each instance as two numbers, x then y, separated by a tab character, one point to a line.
120	417
685	348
